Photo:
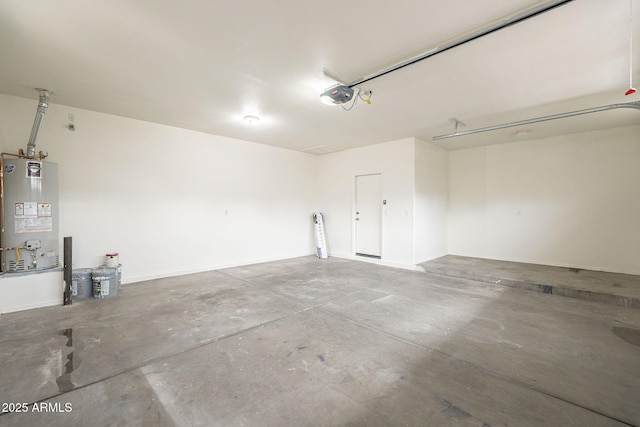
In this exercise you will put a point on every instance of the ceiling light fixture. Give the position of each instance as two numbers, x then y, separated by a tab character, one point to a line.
522	133
251	119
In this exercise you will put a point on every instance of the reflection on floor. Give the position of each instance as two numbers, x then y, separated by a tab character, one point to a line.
328	342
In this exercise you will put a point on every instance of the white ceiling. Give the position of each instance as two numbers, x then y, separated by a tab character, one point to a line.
205	64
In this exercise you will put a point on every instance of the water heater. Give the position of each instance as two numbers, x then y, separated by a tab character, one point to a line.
30	219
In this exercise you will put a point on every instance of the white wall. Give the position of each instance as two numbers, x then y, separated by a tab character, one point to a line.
169	200
337	171
26	291
431	201
572	201
173	201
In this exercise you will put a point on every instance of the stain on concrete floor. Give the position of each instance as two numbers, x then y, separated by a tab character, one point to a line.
632	336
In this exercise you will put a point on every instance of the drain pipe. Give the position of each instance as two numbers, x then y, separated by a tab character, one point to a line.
3	255
43	104
634	105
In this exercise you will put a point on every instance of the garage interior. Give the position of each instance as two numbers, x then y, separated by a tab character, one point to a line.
497	284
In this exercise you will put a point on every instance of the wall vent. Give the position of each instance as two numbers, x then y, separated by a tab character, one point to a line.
321	149
17	266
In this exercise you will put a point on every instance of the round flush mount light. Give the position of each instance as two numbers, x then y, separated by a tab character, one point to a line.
251	120
522	133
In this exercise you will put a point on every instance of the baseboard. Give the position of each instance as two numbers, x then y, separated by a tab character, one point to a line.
141	277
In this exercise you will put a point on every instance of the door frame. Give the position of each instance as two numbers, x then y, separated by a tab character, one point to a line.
354	237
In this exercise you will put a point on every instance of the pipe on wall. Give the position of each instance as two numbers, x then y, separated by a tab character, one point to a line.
3	239
43	104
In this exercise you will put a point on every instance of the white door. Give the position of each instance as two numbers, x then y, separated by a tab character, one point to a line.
369	215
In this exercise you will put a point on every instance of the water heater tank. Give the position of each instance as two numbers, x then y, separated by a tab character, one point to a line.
30	215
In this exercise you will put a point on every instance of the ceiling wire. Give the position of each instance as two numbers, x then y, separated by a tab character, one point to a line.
515	19
353	103
631	88
363	95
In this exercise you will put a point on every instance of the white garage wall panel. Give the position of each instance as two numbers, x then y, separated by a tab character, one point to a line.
571	201
169	200
337	171
431	201
173	201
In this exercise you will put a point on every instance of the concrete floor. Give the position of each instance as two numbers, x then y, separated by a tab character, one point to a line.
610	288
310	342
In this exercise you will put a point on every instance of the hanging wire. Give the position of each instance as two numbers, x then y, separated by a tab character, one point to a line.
353	103
630	43
360	94
631	88
368	95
